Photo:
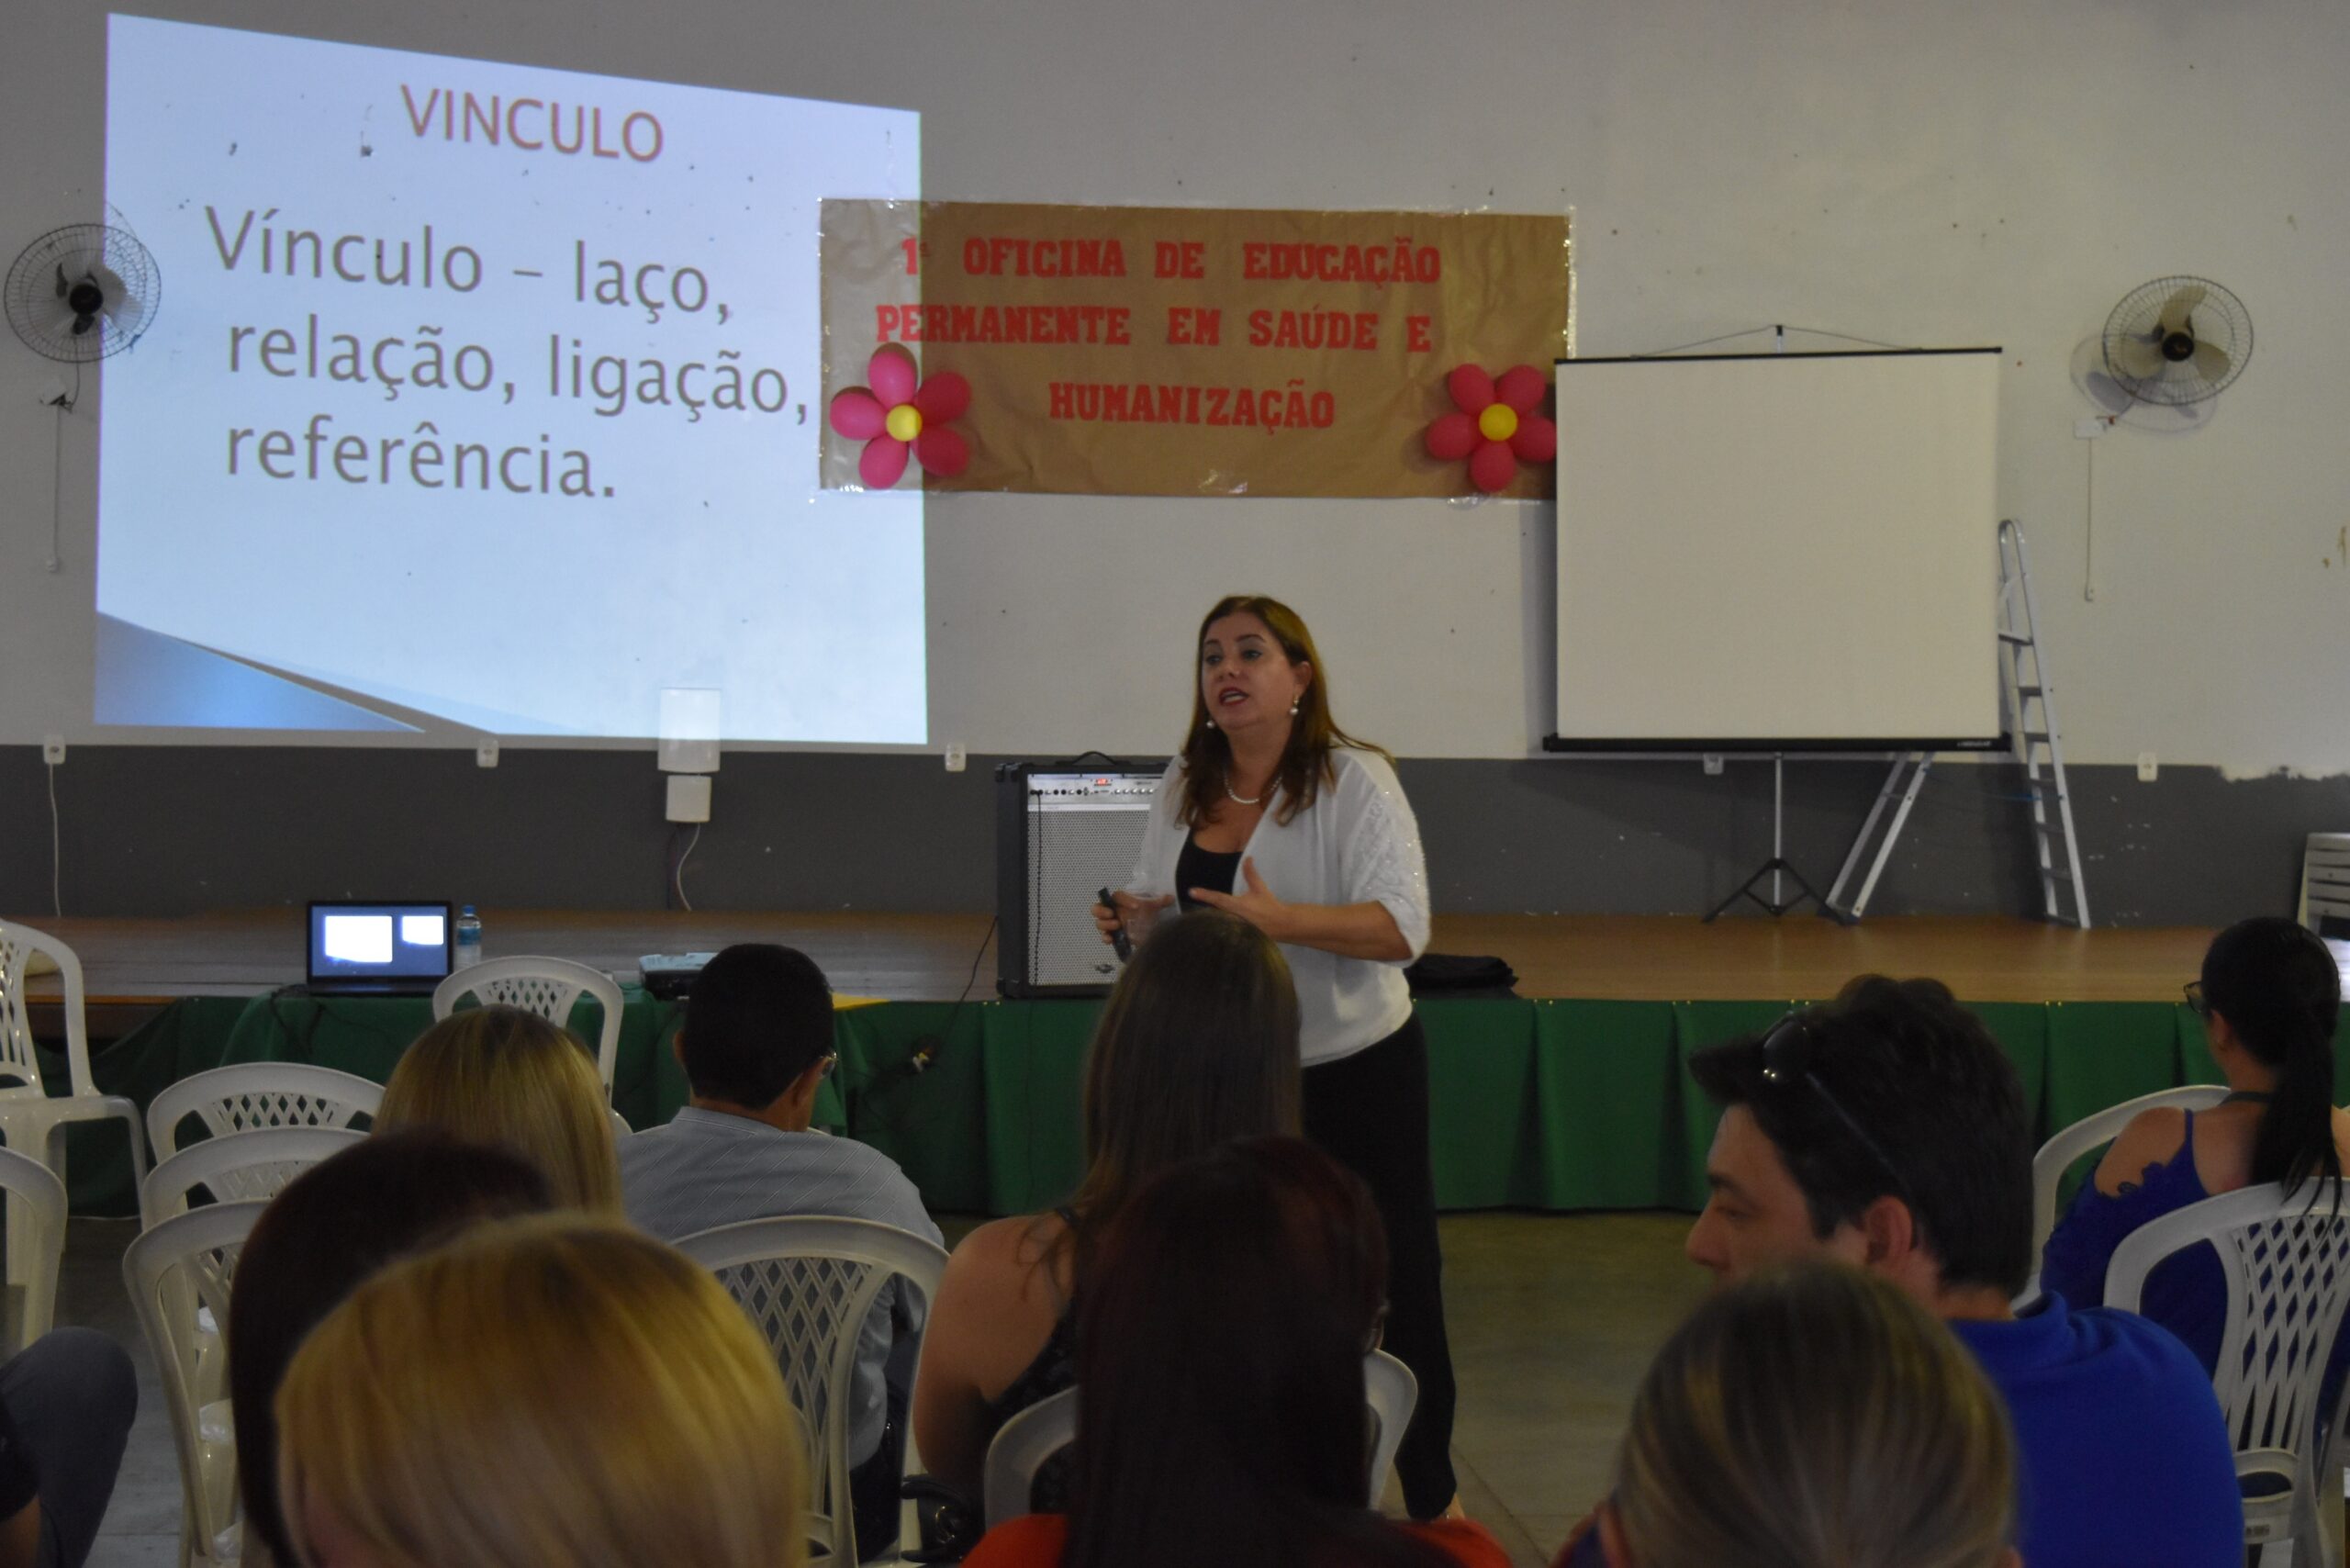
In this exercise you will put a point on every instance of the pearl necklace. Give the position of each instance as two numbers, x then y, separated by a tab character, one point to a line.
1236	795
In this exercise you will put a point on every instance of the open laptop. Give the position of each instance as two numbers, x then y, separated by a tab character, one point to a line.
399	947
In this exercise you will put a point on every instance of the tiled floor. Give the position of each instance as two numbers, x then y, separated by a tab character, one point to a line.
1553	1320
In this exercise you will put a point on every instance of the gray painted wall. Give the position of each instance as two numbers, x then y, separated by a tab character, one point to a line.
157	830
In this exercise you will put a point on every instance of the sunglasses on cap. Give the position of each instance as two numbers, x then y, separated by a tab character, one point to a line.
1788	1048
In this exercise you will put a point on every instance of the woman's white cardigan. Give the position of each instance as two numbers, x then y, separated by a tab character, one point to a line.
1356	844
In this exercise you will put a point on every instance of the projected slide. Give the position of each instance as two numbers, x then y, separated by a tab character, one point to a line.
486	395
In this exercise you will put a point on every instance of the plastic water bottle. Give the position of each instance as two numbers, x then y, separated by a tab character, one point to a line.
468	938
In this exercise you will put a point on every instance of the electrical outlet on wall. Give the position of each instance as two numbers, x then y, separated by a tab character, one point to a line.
52	749
2146	767
955	759
486	754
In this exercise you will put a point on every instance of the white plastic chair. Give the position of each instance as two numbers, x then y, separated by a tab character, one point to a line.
1023	1444
32	1121
1019	1450
193	1256
1392	1394
2057	1155
547	987
256	1164
2286	1263
808	1283
36	1201
259	1094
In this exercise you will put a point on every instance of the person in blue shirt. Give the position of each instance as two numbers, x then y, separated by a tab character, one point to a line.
1887	1130
2270	997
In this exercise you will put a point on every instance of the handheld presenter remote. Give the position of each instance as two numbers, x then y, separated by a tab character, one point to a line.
1120	943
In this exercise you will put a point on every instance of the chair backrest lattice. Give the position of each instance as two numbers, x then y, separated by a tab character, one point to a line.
542	994
2286	1259
239	1165
19	1065
548	987
2296	1271
35	1199
808	1283
809	1311
250	1096
184	1264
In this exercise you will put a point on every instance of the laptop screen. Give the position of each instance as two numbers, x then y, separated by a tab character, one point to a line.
354	941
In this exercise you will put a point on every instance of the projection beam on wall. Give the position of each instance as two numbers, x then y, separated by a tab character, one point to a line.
488	395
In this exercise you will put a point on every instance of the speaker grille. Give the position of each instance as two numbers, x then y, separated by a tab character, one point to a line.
1085	832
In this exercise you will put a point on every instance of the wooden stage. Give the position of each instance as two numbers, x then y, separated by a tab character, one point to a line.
133	965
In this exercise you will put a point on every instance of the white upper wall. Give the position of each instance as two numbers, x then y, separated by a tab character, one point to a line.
1996	172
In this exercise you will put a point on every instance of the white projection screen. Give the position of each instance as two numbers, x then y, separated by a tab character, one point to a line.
1778	551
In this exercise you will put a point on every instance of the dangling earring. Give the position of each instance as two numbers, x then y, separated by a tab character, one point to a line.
1293	708
1209	722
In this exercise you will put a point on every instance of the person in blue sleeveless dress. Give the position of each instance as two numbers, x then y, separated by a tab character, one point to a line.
2270	997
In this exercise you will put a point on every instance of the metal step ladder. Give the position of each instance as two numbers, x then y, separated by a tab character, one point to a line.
2028	697
2028	715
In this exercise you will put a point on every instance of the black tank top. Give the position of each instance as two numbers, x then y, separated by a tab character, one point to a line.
1197	867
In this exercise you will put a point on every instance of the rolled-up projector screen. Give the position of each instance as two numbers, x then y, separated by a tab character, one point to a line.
1778	551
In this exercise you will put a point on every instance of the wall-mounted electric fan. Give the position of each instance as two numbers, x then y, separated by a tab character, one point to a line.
83	292
2177	341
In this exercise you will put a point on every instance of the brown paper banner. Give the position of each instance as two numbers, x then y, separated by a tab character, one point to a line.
1192	351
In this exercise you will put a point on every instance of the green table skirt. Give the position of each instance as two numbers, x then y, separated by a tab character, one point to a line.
1556	1105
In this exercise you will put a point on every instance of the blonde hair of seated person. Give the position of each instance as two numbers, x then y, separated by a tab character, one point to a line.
548	1392
504	1075
1814	1417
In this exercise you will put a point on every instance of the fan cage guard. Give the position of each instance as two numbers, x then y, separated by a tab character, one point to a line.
72	251
2179	384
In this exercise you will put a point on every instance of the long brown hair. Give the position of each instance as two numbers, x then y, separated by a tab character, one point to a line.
1219	1374
1305	763
1816	1414
1198	1045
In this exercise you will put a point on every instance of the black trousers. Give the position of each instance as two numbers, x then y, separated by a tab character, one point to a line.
1371	1111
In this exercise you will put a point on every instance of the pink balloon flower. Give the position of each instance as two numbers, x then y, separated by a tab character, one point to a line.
1495	427
897	413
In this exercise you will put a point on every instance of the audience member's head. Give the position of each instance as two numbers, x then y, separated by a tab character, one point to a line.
758	1031
1220	1351
539	1393
2271	988
1885	1129
332	1227
1197	1046
505	1075
1813	1415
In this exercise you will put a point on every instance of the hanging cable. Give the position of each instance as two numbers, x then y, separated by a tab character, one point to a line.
56	851
2089	549
678	878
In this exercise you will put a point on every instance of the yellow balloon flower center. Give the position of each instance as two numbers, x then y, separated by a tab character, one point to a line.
1496	423
905	422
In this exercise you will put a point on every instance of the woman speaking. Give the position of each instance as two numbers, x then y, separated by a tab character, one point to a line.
1275	815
